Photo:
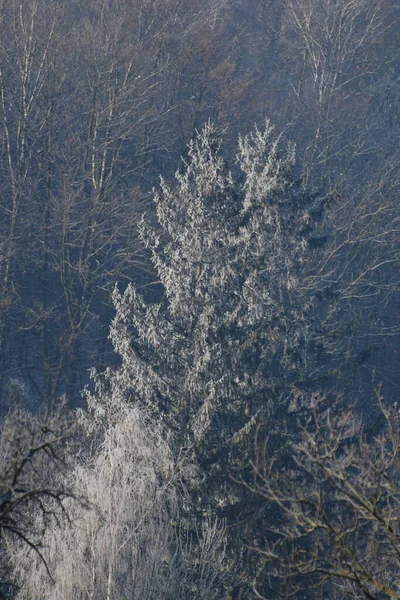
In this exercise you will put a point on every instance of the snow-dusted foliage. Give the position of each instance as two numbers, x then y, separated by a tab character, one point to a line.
128	536
231	339
34	457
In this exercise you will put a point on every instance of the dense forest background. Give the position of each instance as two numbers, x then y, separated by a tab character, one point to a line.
253	292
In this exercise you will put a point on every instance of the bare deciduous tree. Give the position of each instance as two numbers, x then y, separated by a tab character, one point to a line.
84	127
331	71
33	457
346	72
335	530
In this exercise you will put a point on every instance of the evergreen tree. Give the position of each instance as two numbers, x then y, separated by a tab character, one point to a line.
233	335
232	341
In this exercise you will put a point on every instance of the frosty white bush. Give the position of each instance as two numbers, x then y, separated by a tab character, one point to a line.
129	538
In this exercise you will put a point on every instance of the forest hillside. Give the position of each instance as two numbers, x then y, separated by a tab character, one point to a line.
199	299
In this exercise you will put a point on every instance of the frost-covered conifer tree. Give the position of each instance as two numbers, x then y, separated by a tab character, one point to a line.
230	342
